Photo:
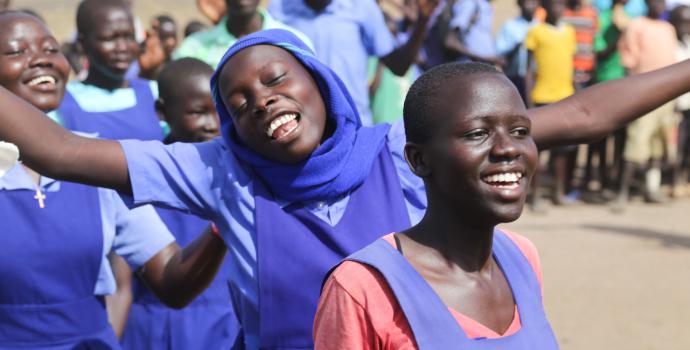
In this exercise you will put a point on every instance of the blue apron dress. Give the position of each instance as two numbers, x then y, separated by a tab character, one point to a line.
210	321
49	264
434	327
207	323
296	249
137	122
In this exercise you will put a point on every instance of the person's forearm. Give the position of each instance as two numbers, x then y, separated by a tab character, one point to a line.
177	276
400	60
55	152
118	304
597	111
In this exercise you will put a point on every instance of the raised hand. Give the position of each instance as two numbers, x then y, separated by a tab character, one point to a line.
152	56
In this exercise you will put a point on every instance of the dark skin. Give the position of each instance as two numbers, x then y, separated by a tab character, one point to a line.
110	45
167	34
262	83
588	115
190	111
243	17
175	275
680	18
655	8
483	133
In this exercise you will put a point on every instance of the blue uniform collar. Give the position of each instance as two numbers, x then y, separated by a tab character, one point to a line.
17	179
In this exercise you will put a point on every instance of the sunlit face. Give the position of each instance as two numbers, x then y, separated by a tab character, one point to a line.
167	32
276	106
31	65
191	113
481	155
111	45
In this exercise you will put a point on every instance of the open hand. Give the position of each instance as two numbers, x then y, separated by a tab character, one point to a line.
153	54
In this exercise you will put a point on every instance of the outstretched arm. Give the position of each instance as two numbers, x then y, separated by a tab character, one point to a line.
400	60
176	276
55	152
597	111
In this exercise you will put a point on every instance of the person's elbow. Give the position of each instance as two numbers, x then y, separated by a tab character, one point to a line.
176	301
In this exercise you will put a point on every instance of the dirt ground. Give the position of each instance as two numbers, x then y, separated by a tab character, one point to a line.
615	281
611	281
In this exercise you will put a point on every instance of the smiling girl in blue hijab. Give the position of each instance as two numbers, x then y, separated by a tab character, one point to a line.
296	183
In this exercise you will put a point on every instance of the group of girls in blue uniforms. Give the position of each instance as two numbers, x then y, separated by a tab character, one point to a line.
294	185
56	234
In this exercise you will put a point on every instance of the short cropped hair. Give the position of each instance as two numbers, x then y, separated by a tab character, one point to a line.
174	72
423	98
87	9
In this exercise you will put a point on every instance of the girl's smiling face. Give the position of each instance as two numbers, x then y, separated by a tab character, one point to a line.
276	106
31	65
481	155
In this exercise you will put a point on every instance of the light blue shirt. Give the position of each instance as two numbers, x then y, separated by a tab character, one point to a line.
475	19
136	235
94	99
206	179
344	35
511	35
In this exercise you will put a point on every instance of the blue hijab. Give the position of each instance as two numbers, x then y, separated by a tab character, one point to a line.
339	164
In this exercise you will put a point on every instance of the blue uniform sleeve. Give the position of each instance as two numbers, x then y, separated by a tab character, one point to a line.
463	11
412	185
139	235
136	235
377	39
182	176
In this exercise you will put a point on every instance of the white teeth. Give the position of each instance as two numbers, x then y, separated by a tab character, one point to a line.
42	79
503	178
278	122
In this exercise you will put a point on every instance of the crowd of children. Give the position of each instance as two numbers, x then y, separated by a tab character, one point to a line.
340	234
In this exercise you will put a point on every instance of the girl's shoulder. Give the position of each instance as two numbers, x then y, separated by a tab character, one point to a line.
528	249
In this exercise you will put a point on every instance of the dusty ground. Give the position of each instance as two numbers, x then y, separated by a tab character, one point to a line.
615	281
611	281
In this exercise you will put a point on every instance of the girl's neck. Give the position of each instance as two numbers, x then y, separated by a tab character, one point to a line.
552	20
459	239
99	77
240	26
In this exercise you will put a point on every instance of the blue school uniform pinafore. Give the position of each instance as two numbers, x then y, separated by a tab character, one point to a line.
296	249
49	265
207	323
137	122
210	321
434	327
